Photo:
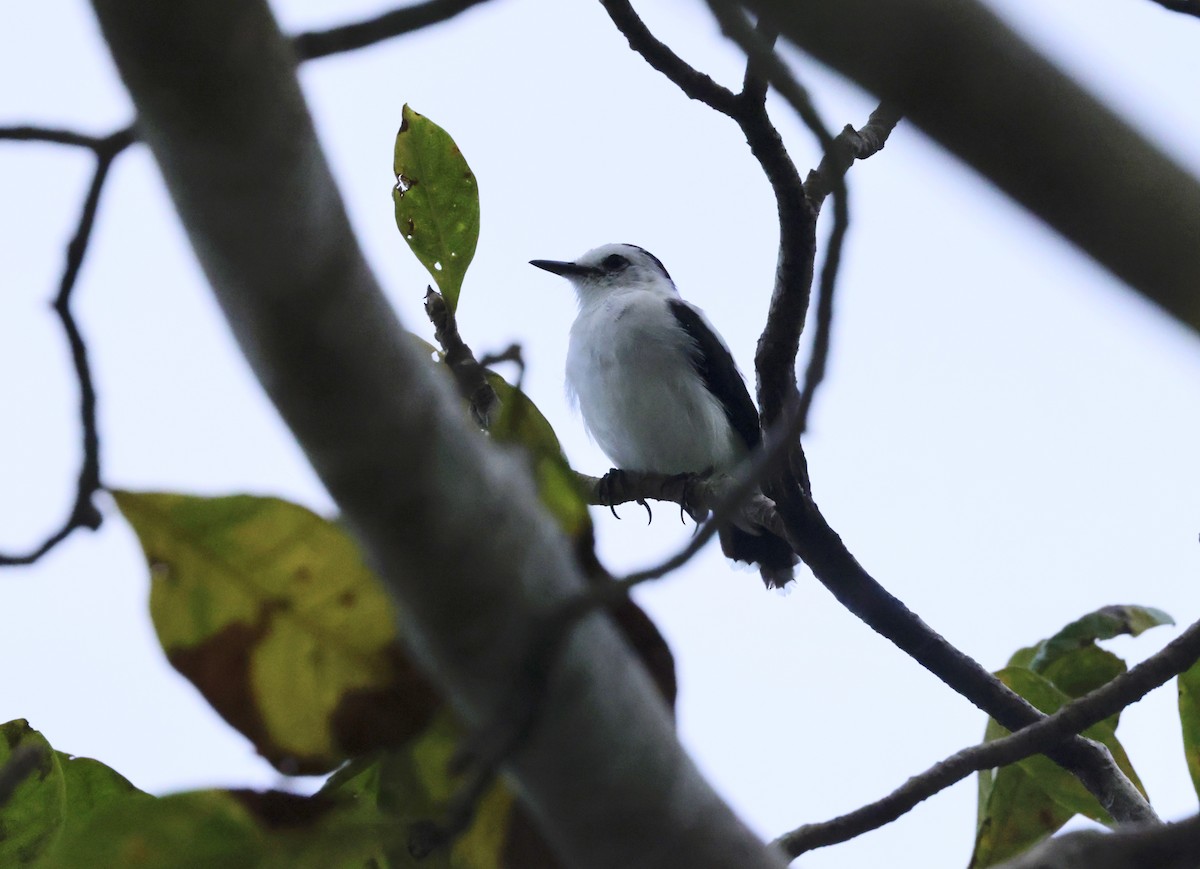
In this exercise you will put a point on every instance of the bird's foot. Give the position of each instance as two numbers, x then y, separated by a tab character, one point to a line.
612	486
689	484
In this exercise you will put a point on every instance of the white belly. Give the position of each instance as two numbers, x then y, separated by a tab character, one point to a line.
639	395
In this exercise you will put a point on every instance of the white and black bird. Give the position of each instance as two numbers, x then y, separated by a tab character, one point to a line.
656	385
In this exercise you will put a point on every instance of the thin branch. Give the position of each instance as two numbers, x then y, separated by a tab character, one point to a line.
52	135
349	37
848	146
83	512
1073	718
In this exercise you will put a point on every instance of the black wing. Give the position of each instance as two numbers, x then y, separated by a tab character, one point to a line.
717	369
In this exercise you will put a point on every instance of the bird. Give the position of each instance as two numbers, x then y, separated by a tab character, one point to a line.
656	385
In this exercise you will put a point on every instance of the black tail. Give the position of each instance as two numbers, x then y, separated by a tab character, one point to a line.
772	554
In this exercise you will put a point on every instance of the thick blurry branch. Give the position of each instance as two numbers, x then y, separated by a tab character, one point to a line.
1169	846
219	106
349	37
1185	7
976	88
83	512
1075	717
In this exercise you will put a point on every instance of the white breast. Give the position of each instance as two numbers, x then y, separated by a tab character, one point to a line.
629	366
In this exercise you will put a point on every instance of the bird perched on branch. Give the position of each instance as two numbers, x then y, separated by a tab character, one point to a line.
656	385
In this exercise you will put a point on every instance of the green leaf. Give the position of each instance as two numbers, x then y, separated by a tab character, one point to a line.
230	829
437	201
413	786
270	611
1023	803
58	796
519	421
1189	719
1103	624
1027	801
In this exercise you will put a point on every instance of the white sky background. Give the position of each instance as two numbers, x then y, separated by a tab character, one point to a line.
1007	438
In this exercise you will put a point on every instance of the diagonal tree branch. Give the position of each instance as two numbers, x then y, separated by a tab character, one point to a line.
1169	846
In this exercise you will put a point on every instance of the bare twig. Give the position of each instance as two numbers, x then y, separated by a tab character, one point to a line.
83	512
1073	718
848	146
349	37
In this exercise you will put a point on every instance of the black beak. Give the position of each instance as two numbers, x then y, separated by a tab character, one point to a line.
567	270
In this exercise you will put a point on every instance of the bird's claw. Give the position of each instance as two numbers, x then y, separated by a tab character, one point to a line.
649	515
610	481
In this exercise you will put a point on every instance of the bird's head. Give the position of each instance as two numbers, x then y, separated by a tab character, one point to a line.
612	268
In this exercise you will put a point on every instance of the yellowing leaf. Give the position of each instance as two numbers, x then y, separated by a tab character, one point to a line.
270	611
437	201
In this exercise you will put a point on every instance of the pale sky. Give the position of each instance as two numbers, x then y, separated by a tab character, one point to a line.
1007	438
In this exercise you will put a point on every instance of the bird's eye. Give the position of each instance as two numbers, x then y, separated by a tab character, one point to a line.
615	262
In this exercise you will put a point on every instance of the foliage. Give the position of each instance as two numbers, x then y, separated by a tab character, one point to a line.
1021	804
437	201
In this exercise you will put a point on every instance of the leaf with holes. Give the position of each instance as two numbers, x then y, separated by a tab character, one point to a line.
270	611
437	201
57	794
